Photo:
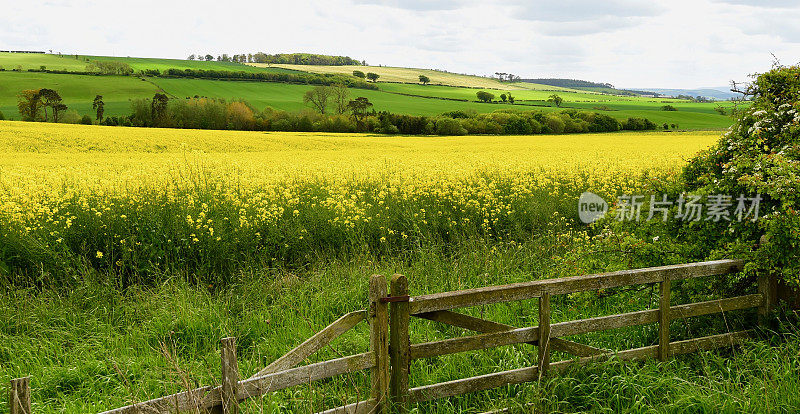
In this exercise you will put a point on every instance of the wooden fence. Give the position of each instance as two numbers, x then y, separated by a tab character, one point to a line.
391	352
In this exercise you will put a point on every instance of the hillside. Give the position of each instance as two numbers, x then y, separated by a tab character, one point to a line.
411	75
398	90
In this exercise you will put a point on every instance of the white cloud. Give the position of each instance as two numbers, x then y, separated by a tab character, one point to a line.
661	43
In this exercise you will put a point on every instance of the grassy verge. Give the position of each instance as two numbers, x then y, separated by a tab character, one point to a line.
95	347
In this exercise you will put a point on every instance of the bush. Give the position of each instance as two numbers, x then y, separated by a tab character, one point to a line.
70	117
668	108
2	117
86	120
449	126
760	154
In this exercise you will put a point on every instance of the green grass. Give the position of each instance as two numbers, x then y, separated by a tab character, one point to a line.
95	347
10	61
163	64
78	91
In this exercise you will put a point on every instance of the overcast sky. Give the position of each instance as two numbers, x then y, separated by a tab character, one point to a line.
630	43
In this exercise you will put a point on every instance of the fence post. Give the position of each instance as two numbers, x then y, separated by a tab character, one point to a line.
768	288
19	397
379	342
230	376
544	334
400	342
663	319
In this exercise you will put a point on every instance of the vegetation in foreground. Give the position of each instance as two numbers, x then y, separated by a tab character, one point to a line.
96	327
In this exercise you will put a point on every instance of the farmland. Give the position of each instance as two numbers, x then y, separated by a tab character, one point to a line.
171	239
398	90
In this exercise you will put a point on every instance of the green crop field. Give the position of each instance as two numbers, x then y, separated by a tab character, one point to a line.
411	75
77	90
407	98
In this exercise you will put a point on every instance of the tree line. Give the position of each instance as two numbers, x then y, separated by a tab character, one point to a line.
47	105
281	58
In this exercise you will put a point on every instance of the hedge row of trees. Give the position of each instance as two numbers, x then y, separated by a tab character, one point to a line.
33	105
302	78
283	58
358	115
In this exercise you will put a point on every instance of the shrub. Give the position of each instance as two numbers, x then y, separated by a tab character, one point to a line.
760	154
449	126
668	108
2	117
517	126
86	120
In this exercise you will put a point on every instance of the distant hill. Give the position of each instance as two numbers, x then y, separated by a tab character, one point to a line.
715	92
587	86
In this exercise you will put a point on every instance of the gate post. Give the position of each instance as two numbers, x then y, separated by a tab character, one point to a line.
378	314
19	397
663	319
400	342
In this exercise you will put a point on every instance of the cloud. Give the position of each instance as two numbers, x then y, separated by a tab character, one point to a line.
584	10
417	5
761	3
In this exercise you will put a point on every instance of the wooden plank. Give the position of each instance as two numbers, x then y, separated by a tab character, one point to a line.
715	306
474	342
482	325
663	319
532	289
230	376
399	343
19	396
361	407
203	397
465	321
544	334
602	323
516	376
208	397
314	343
768	288
379	343
574	348
255	387
709	342
472	384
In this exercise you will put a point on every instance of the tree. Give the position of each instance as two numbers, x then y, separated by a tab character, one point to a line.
318	98
424	79
209	58
510	98
341	97
191	57
359	74
98	105
158	107
29	104
373	76
52	99
556	100
358	107
503	97
57	108
484	96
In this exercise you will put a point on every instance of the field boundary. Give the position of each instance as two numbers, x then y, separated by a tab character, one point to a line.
391	351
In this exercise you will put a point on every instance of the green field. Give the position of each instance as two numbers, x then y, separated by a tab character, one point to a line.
78	91
408	98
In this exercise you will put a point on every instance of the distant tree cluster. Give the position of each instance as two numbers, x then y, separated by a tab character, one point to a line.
302	59
109	67
698	98
568	83
301	78
359	115
33	104
507	77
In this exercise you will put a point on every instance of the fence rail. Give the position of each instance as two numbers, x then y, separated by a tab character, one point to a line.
391	350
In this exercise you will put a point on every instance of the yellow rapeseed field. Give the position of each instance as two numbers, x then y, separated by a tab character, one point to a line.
106	193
